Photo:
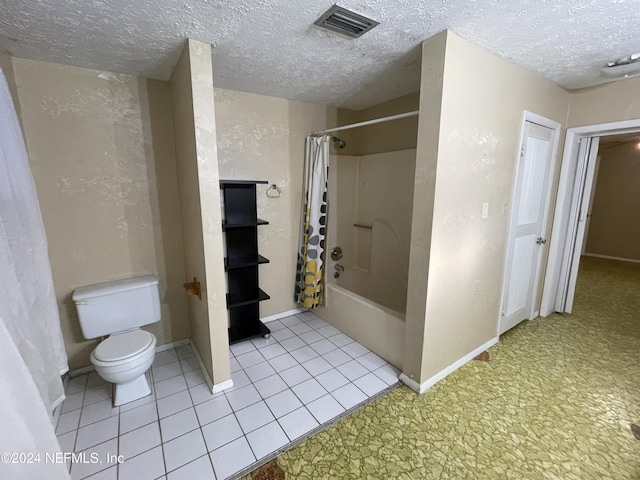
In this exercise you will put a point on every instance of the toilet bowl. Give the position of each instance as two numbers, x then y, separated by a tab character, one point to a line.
118	309
123	359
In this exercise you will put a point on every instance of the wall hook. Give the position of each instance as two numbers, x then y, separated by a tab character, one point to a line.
273	191
193	288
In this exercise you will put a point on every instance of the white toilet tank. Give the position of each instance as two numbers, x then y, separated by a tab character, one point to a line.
111	307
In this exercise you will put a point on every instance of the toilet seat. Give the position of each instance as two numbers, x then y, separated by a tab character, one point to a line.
123	347
123	360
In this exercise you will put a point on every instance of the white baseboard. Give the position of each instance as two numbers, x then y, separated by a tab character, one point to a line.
169	346
76	372
423	387
201	365
222	386
213	388
607	257
412	384
280	315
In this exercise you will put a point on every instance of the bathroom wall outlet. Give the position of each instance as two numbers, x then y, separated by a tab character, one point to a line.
476	287
485	210
505	207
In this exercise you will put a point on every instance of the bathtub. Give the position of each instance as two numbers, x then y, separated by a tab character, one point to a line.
375	326
381	287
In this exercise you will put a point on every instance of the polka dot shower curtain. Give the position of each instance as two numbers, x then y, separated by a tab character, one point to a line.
310	269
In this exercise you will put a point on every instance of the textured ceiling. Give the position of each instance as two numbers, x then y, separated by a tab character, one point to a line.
271	46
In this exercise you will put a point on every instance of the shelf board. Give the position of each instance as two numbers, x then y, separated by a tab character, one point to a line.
244	261
246	298
226	225
242	182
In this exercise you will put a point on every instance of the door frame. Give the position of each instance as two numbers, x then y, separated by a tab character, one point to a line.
594	186
555	142
575	238
560	230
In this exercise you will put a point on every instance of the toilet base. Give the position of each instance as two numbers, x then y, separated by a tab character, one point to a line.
130	391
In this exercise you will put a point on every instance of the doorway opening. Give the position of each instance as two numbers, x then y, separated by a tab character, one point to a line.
572	211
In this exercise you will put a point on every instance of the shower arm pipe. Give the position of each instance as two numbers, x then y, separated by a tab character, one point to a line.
368	122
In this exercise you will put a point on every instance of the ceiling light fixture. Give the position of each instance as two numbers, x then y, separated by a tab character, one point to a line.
622	67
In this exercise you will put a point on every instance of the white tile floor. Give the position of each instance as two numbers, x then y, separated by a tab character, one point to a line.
307	374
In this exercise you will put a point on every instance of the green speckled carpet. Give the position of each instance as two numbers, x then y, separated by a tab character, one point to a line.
556	402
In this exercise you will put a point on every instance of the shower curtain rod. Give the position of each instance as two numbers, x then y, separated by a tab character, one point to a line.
368	122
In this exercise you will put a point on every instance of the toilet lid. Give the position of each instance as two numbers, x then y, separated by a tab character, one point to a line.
123	345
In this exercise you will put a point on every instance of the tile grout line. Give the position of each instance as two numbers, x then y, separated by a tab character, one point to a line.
311	433
263	399
320	356
118	441
164	461
290	387
77	430
260	397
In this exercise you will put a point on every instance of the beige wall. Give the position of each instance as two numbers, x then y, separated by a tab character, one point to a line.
6	64
101	152
199	185
381	137
611	102
614	229
472	153
431	91
262	138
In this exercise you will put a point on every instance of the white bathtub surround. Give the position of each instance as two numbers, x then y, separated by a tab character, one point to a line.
286	388
423	387
368	299
376	327
373	229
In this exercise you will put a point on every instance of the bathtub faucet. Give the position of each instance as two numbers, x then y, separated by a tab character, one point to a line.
339	267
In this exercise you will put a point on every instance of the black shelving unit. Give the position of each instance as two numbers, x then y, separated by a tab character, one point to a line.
241	263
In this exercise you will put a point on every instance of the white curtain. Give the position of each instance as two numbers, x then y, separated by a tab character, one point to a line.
25	425
28	307
309	289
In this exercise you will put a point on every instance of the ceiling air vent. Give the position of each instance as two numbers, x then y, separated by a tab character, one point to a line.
345	21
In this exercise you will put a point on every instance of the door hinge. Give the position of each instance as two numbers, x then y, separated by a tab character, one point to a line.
522	151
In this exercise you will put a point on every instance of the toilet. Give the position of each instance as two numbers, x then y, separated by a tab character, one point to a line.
117	310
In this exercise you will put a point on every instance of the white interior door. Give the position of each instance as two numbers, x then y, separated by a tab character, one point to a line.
528	219
580	200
